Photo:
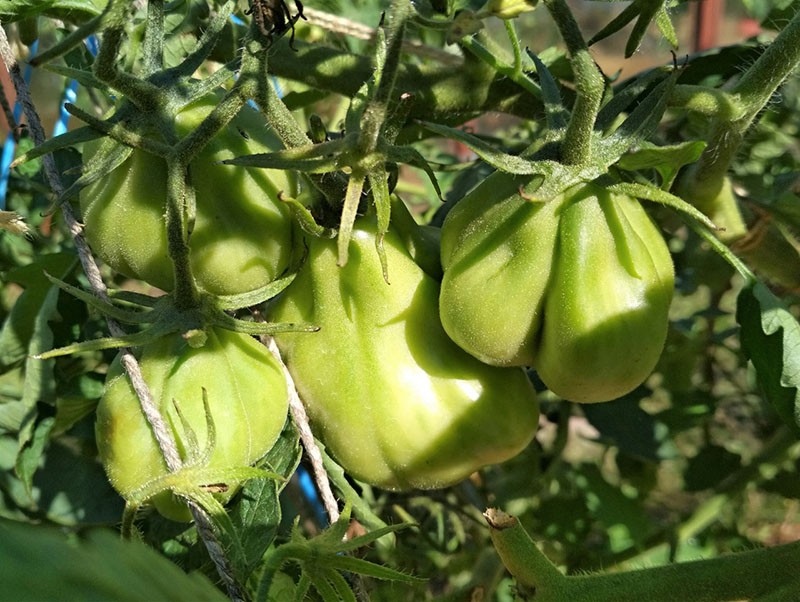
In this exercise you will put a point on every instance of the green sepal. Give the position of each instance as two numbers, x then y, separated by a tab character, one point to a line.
305	219
640	123
377	178
666	160
651	193
254	297
104	307
555	112
129	340
502	161
185	481
68	139
313	158
352	200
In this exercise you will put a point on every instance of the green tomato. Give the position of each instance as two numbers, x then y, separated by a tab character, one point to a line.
242	234
393	399
579	288
248	401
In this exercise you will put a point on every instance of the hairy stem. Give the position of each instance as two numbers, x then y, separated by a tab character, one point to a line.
750	95
589	86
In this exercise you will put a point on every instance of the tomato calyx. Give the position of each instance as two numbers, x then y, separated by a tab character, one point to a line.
161	316
196	480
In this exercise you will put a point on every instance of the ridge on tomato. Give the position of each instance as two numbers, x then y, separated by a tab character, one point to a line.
570	287
242	234
247	397
393	399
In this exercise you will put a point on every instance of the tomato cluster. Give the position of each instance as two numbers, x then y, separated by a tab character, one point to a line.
415	376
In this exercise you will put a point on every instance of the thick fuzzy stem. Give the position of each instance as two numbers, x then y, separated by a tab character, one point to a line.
589	86
750	95
746	575
180	197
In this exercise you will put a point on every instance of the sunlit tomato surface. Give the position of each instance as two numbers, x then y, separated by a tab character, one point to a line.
242	234
579	288
247	396
393	399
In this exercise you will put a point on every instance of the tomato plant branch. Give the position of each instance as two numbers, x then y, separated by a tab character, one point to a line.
105	68
514	39
512	72
744	575
523	559
706	101
749	96
589	84
740	576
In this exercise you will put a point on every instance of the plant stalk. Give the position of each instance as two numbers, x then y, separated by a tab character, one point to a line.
750	95
589	87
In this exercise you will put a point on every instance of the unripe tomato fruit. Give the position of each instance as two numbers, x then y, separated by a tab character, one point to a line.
393	399
248	400
242	233
578	287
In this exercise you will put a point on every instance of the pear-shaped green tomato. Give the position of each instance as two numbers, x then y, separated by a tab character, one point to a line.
248	401
607	304
393	399
578	287
242	234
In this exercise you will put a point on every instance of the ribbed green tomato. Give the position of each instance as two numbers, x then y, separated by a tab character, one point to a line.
579	288
242	234
393	399
248	400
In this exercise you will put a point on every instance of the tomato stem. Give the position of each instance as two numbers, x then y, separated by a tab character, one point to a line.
750	95
180	220
745	575
589	85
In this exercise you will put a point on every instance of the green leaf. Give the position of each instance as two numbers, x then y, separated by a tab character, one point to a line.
18	329
625	519
30	455
257	514
644	11
38	563
74	10
709	467
626	425
71	488
770	338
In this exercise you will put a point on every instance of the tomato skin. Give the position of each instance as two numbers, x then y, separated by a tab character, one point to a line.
396	403
242	235
247	397
578	288
497	260
606	313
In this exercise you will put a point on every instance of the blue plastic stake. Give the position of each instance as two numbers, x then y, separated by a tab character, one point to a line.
8	148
